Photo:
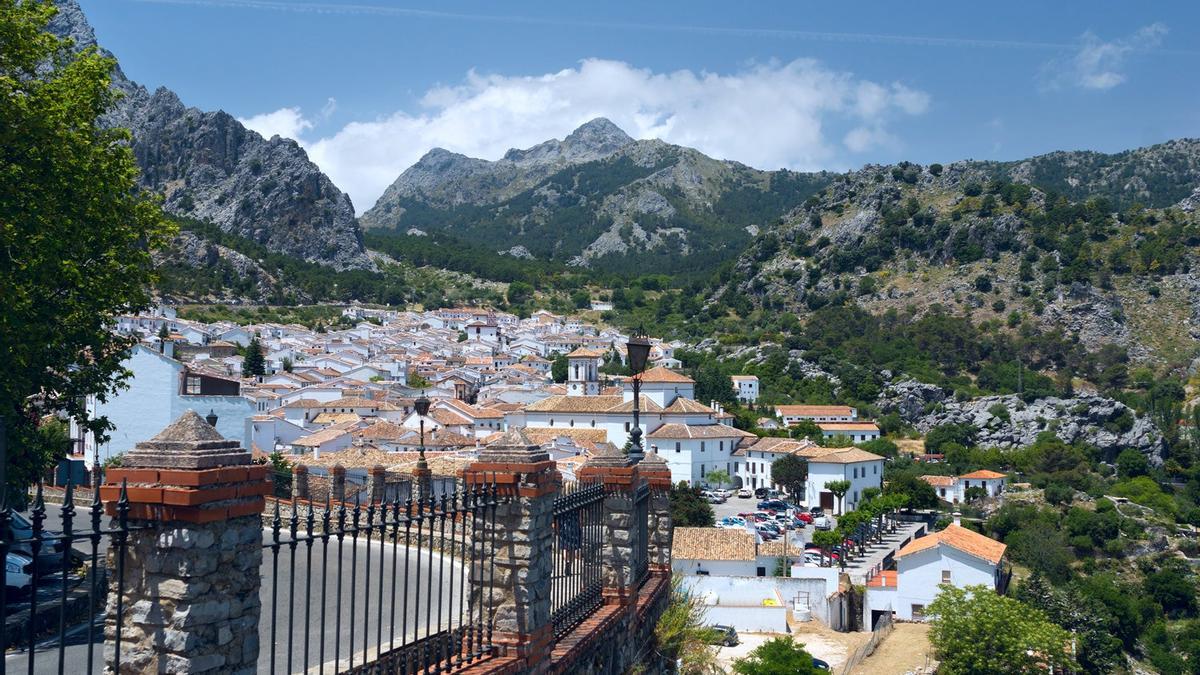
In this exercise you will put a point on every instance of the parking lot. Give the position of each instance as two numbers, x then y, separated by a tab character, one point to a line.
736	505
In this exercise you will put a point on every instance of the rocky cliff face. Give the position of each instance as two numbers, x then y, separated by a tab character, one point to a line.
1007	422
209	167
597	197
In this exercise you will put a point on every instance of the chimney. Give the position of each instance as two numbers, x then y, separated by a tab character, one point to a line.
957	515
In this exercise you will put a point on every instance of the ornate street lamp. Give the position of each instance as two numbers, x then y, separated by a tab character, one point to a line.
638	348
422	407
211	418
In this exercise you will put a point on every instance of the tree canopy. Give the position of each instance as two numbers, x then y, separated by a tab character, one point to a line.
791	472
75	230
777	656
976	630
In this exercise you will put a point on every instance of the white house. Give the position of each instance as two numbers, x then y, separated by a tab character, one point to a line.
160	390
717	551
745	387
856	432
953	489
754	460
955	556
794	414
826	465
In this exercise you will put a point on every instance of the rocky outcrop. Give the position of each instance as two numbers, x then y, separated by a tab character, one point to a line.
1007	422
444	179
209	167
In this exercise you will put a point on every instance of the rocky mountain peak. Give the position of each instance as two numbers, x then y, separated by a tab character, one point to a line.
599	136
209	167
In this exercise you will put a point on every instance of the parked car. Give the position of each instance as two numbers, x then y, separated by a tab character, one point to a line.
761	493
745	493
18	578
823	523
806	517
732	521
50	555
724	635
819	664
816	510
772	505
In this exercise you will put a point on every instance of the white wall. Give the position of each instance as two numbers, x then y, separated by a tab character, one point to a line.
919	574
870	474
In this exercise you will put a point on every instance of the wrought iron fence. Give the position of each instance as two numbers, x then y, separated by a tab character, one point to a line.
576	578
55	593
392	580
640	535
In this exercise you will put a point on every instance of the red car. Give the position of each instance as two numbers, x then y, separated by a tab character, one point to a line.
804	516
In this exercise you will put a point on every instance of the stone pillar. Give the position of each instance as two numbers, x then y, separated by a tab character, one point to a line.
337	484
191	569
619	475
300	481
657	474
376	478
422	482
521	543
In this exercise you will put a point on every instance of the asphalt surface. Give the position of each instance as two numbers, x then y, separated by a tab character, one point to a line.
291	628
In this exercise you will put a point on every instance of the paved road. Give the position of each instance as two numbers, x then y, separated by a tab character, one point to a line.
296	608
735	505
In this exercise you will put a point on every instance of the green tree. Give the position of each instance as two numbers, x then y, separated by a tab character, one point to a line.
806	429
791	472
975	630
688	508
777	656
839	488
939	436
163	331
1132	463
918	493
518	292
75	232
719	477
255	364
559	368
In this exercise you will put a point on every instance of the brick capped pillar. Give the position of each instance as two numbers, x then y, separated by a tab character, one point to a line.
521	541
619	475
300	481
422	482
191	571
657	474
376	478
337	484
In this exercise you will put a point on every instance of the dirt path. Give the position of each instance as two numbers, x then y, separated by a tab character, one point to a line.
906	650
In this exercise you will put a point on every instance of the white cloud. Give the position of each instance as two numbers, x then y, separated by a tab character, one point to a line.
1097	64
799	115
286	122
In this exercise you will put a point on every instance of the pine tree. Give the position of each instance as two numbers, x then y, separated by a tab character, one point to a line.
255	364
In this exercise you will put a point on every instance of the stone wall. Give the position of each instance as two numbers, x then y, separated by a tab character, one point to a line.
194	607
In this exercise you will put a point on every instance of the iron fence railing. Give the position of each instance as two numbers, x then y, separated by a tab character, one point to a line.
640	535
577	575
393	584
56	584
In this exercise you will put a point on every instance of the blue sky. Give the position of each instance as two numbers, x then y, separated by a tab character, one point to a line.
368	86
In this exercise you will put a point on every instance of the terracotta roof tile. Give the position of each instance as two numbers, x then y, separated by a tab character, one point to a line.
983	474
711	543
960	538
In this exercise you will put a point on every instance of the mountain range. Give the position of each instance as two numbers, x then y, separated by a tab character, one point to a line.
1099	245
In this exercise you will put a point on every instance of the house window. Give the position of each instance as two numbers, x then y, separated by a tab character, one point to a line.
551	421
627	427
918	612
721	446
572	422
875	469
701	446
761	571
678	446
945	576
593	423
702	471
193	385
